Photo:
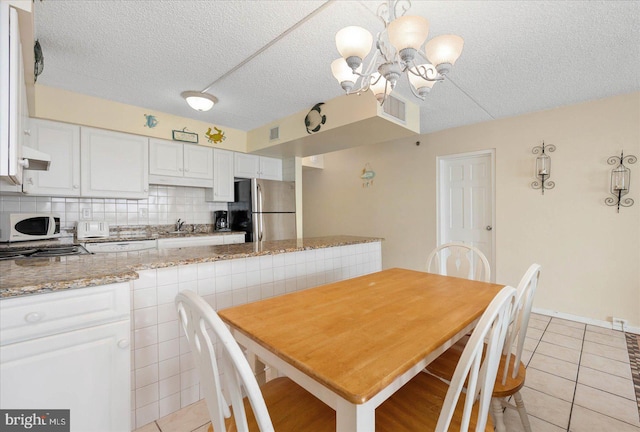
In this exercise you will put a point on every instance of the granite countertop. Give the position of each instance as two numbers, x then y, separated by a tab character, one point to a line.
114	237
41	275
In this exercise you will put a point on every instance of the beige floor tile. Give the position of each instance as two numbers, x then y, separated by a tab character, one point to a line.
552	385
603	330
187	419
513	424
584	420
526	357
545	407
613	353
559	352
534	333
607	382
540	317
568	323
562	340
530	344
554	366
151	427
615	340
607	404
604	364
538	324
203	428
565	330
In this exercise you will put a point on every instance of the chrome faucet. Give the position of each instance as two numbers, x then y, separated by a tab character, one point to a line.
179	224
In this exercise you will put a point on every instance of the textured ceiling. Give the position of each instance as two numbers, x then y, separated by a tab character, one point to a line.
269	59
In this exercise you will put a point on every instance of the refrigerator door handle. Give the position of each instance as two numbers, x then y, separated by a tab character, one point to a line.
261	220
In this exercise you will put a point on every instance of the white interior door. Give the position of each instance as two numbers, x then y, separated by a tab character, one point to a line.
466	201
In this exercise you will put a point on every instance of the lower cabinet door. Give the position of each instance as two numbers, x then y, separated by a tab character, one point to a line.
86	371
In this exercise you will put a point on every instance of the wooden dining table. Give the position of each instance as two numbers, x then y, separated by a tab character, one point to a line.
353	343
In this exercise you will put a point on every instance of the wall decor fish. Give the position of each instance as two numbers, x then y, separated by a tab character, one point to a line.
367	175
315	119
151	121
216	137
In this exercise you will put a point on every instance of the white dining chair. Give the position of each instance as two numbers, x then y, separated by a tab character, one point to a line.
512	371
427	403
459	260
280	404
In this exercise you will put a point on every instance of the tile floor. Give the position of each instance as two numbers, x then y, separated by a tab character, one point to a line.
578	379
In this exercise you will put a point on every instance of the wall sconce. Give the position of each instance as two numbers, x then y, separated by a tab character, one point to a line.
620	179
543	167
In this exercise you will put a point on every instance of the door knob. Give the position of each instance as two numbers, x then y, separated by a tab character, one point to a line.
489	228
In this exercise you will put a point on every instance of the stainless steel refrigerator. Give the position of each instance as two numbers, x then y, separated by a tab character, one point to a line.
264	209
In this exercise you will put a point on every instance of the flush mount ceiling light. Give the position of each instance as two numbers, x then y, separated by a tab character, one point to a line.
199	101
399	50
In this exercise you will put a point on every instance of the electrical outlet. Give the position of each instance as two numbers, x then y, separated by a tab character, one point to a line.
86	213
619	323
143	212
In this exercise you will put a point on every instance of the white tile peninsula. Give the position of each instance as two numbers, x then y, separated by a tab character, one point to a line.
163	376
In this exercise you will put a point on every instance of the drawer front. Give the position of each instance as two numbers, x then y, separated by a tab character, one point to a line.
39	315
234	238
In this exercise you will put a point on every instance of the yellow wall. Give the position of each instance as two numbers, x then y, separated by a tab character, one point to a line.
590	254
61	105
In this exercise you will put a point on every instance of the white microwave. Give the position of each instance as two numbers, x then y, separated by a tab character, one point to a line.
28	226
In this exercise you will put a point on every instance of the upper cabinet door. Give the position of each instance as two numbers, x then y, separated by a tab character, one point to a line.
165	158
223	176
61	141
114	164
198	162
270	168
246	165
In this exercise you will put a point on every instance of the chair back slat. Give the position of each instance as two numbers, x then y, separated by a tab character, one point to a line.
520	320
479	373
199	322
459	260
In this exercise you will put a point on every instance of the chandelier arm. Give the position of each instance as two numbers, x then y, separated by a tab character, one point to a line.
413	90
382	11
404	4
423	72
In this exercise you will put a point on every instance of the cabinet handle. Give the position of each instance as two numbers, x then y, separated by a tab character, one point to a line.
30	180
146	189
27	132
75	186
123	343
186	170
33	317
179	169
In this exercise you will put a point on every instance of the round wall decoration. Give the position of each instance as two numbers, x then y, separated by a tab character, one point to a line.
315	119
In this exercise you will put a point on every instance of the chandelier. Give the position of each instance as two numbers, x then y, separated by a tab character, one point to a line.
399	50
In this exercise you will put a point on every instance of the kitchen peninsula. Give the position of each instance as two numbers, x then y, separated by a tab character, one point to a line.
136	291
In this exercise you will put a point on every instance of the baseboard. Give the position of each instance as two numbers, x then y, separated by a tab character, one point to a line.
591	321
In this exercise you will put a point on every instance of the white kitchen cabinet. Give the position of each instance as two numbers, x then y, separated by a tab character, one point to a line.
113	164
222	177
14	113
180	164
69	350
62	142
253	166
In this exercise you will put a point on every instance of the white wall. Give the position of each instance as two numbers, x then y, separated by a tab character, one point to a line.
590	254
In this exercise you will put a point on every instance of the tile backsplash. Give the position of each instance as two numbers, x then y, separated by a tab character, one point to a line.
164	205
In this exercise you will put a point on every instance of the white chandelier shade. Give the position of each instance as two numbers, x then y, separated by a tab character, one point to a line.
354	43
408	32
400	50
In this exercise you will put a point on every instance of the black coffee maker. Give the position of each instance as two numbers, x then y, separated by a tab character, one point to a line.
221	220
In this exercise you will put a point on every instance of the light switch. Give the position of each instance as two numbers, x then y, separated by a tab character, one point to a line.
86	213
